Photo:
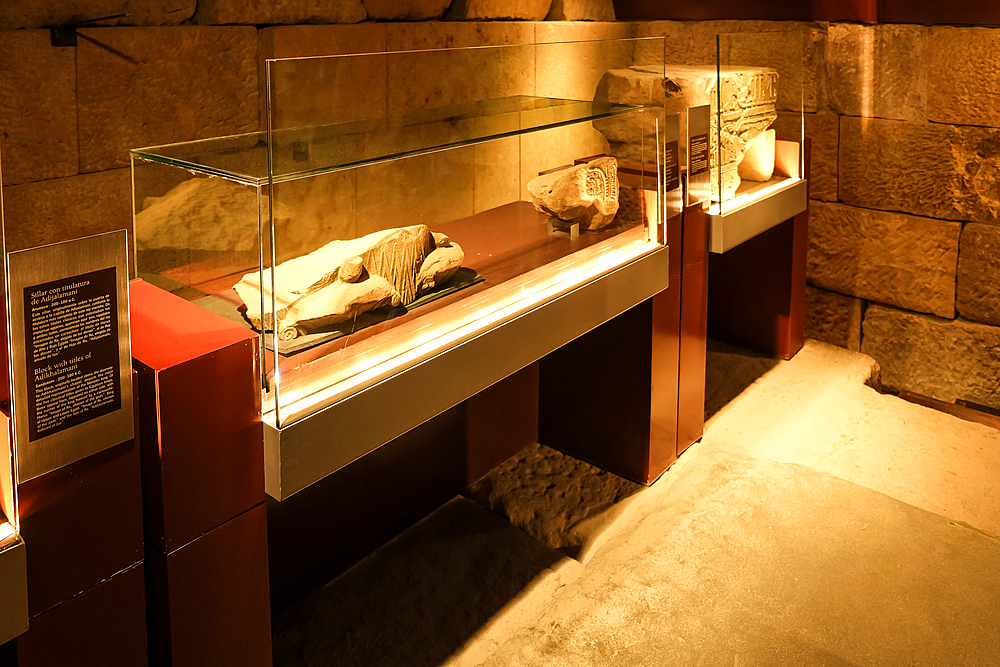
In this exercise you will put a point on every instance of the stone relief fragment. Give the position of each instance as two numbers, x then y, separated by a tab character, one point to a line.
747	97
343	279
585	194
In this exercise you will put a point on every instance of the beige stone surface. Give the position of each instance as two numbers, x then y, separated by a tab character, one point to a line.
833	318
67	208
943	359
225	12
940	171
426	190
532	10
878	71
581	10
569	31
898	259
406	10
824	131
352	87
497	173
162	85
580	500
822	414
458	76
794	49
978	290
18	14
812	497
448	35
573	69
37	107
963	76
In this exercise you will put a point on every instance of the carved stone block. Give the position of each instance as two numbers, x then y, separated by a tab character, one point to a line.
343	279
748	96
586	194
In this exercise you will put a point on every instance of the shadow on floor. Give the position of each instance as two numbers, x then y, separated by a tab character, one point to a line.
418	599
728	371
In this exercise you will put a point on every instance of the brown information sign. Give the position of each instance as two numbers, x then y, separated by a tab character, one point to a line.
699	158
71	337
671	166
68	304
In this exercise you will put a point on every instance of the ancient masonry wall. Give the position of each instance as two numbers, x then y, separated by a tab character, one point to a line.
904	250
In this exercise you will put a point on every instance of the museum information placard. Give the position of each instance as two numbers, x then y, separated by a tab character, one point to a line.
70	351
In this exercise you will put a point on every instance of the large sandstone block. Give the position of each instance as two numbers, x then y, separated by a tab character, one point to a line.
322	90
581	10
893	258
67	208
406	10
281	12
473	75
824	131
877	71
571	31
17	15
146	86
37	108
978	292
792	48
943	359
446	35
477	10
833	318
940	171
963	76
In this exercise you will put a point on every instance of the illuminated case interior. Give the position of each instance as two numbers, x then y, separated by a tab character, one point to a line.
360	144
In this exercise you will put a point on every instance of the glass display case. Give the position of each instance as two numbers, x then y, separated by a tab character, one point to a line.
401	203
13	563
740	101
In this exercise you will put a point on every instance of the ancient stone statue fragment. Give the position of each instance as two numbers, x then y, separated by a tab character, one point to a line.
747	96
343	279
585	193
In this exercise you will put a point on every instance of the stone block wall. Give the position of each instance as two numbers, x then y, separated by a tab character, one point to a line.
904	120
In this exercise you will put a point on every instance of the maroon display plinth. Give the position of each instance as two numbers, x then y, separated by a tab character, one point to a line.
106	625
202	455
199	416
218	612
322	530
693	330
83	523
757	290
613	396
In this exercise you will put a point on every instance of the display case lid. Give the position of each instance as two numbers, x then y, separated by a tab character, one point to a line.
310	151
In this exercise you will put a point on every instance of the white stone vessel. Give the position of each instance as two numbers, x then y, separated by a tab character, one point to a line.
343	279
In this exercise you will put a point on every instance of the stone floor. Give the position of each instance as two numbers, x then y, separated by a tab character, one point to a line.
818	522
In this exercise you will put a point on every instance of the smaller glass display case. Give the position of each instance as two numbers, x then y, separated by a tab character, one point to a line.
401	203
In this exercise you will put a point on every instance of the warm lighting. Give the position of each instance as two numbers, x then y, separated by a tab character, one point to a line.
7	531
748	198
333	378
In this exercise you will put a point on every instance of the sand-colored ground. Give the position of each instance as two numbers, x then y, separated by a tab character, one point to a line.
818	522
